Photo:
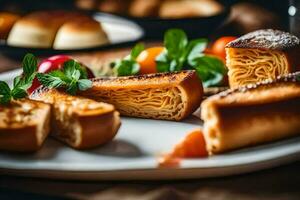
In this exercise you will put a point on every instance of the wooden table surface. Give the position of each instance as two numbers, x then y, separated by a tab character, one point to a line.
281	183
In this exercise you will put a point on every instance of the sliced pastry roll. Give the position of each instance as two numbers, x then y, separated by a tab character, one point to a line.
261	55
24	125
252	114
170	96
77	121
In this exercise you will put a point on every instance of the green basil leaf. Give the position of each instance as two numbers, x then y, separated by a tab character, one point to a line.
195	49
71	66
5	93
4	88
127	67
29	65
162	62
17	81
18	93
84	84
137	49
211	70
50	81
175	41
72	88
76	75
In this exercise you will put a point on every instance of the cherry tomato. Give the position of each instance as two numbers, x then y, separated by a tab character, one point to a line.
146	60
50	64
192	146
218	47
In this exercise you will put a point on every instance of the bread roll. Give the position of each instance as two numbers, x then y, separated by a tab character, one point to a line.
142	8
169	96
261	55
189	8
252	114
80	33
37	29
7	20
114	6
79	122
24	125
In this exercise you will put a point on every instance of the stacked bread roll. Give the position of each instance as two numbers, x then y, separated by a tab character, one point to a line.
57	29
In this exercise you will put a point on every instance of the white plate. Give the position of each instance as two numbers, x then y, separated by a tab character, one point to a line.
121	32
119	29
133	155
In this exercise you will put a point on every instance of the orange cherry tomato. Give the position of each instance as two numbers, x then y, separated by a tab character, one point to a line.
192	146
146	60
218	47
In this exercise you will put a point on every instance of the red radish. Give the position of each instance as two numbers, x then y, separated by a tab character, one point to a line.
53	63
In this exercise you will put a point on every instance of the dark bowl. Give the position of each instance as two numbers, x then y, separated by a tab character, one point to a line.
194	27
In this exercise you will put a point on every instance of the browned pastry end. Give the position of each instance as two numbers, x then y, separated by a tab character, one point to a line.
24	125
169	96
252	114
261	55
79	122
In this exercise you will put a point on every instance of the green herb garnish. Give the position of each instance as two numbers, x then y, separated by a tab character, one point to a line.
21	83
298	77
72	77
128	66
179	54
182	54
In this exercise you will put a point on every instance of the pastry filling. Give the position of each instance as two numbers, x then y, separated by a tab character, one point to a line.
248	66
161	103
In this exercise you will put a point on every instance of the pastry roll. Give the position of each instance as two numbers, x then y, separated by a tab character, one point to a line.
169	96
24	125
79	122
252	114
261	55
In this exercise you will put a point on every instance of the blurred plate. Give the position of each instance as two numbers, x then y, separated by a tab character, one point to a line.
121	32
133	155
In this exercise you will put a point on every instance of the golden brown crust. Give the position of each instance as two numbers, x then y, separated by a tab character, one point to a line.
98	130
266	39
261	55
252	114
25	135
170	96
81	123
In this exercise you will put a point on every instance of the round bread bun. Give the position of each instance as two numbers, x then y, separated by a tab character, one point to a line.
82	33
174	9
142	8
37	29
7	20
